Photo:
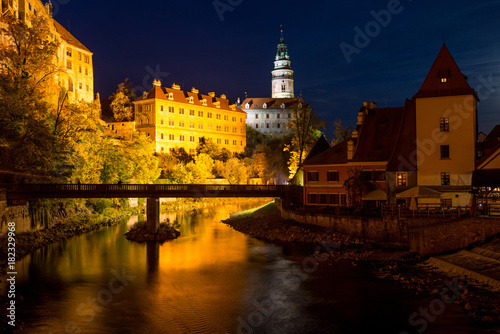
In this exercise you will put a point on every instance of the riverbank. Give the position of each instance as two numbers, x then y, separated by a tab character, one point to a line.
399	265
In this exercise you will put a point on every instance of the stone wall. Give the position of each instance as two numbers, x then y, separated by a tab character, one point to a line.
452	235
20	214
367	229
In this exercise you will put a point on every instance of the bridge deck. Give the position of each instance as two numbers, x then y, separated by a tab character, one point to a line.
31	191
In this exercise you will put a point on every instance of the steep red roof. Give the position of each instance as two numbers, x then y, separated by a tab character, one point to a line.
378	134
404	156
445	69
66	35
334	155
272	103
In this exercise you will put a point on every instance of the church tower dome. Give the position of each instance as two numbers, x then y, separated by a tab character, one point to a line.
282	83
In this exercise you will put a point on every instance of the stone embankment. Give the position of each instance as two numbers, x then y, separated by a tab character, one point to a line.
406	268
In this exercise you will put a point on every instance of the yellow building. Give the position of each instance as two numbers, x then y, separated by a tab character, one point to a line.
73	58
446	131
177	119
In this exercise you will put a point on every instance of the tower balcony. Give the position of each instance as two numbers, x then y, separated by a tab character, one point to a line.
282	76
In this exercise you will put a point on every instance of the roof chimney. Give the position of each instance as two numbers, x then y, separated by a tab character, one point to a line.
157	83
212	94
365	104
373	105
350	149
195	91
223	96
176	87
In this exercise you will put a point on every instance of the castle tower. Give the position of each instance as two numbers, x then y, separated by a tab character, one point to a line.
282	83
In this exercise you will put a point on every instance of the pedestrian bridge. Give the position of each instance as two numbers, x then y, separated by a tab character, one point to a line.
17	193
33	191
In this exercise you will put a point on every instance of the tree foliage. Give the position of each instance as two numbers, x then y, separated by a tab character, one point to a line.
121	101
357	184
340	132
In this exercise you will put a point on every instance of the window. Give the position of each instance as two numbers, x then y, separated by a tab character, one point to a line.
161	136
226	117
235	142
283	86
313	198
80	85
191	112
332	176
446	202
445	179
161	108
69	65
277	115
256	126
192	125
218	141
171	137
226	141
79	56
200	126
86	59
217	116
210	115
69	52
181	124
181	137
322	198
79	69
200	113
445	151
234	119
444	124
171	122
267	115
191	138
218	128
312	176
334	199
86	71
401	179
226	129
256	116
379	175
181	111
161	121
279	125
267	126
235	130
444	80
171	109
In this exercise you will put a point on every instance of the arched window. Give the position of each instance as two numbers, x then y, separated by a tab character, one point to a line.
247	106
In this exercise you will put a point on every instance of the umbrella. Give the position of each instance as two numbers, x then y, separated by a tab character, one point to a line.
419	191
413	204
376	195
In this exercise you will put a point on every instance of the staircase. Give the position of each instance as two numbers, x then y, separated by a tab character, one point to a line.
480	263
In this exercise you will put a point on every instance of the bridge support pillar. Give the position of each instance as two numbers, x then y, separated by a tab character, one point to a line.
153	214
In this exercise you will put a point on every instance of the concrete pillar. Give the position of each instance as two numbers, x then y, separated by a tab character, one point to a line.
153	214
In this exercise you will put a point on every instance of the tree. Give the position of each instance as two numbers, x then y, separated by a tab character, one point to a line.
340	133
357	184
121	101
234	171
304	127
26	85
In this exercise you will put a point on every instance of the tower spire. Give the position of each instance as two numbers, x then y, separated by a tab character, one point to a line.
282	83
281	27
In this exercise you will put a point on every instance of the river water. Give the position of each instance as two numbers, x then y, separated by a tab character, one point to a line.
212	279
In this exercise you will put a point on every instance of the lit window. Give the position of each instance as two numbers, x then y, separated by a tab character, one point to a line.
401	179
312	176
444	124
69	65
444	80
69	52
445	179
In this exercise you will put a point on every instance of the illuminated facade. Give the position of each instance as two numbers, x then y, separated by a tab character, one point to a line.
73	58
177	119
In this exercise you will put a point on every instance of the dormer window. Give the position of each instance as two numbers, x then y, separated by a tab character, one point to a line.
204	102
282	106
247	106
170	96
217	104
444	80
264	106
191	99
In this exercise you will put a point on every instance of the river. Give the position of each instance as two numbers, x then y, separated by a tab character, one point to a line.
212	279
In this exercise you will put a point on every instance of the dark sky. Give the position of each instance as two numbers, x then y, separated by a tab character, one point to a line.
232	51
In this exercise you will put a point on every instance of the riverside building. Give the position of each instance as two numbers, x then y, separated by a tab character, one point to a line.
176	119
73	59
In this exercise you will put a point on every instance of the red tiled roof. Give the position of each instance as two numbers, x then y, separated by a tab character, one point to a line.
404	155
320	146
444	67
162	93
272	103
490	147
378	134
66	35
334	155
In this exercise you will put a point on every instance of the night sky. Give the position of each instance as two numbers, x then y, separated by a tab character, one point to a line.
231	50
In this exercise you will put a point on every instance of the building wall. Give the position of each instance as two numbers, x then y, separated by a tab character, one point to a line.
269	121
184	129
326	188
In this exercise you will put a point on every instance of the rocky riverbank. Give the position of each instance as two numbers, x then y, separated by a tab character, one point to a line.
399	265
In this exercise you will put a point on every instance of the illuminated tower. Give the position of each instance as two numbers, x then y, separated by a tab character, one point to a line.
282	84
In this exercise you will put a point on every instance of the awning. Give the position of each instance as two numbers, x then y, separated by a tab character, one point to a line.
486	178
376	195
419	191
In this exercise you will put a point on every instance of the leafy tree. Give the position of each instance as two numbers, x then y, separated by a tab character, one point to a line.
357	184
26	79
234	171
121	101
304	127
